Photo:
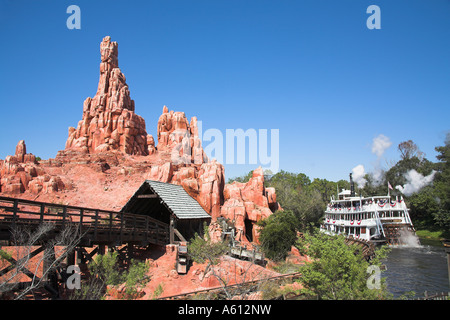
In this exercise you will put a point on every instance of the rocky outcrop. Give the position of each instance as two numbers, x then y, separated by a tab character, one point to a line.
184	162
109	121
180	138
246	204
21	172
205	183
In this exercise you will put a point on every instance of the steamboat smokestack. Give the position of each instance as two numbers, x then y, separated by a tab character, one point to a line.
352	186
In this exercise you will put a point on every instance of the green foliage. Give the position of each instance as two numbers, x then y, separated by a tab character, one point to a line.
202	249
296	193
105	271
4	255
245	178
286	267
442	185
423	205
136	277
278	234
338	271
105	267
158	291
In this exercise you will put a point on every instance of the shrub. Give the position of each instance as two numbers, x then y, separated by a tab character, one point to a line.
278	234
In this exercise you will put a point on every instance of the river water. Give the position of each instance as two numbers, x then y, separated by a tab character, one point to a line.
417	268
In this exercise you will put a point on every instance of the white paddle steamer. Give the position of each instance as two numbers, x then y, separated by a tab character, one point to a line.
378	219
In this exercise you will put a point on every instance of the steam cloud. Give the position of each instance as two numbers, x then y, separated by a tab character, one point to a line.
380	144
358	174
415	182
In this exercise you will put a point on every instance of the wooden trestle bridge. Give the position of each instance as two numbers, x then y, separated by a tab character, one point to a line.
90	227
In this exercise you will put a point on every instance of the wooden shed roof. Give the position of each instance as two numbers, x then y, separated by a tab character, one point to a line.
173	196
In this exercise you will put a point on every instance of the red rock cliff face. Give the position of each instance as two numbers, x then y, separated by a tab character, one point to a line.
186	163
180	137
246	204
109	121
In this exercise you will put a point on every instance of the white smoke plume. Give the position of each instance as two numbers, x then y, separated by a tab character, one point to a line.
358	174
380	144
415	182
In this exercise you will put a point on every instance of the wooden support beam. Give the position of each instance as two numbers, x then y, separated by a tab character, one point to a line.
179	235
147	196
171	230
21	262
71	257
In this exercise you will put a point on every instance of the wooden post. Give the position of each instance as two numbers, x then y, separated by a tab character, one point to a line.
41	217
130	250
71	260
146	229
134	227
15	206
171	230
64	217
96	223
49	268
110	226
81	221
121	227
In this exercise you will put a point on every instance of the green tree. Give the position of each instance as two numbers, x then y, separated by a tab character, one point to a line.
135	277
202	249
278	234
244	178
408	149
297	181
325	188
442	185
105	267
295	194
105	271
338	271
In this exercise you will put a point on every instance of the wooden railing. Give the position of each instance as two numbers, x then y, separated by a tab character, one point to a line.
435	296
95	225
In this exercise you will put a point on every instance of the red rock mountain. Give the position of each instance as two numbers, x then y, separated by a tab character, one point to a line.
109	121
109	154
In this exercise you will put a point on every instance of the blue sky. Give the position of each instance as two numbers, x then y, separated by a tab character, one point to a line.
311	69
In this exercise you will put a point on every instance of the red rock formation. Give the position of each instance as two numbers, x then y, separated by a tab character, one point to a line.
109	121
179	137
186	163
22	172
246	204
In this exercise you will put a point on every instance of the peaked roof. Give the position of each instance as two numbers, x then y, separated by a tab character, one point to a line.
173	196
